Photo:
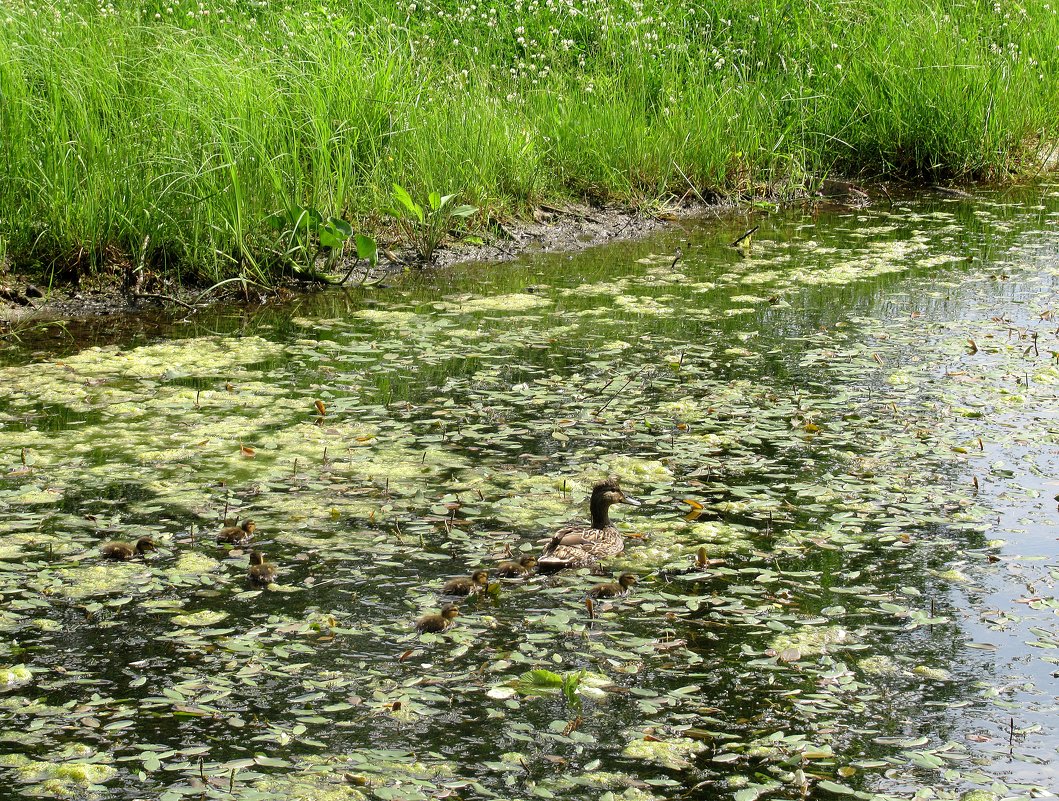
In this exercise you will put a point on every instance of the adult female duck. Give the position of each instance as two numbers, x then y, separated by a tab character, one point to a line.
581	545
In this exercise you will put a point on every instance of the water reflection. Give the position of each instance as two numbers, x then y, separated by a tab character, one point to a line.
799	413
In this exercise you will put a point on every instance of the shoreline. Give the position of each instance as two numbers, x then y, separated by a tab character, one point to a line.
569	227
563	227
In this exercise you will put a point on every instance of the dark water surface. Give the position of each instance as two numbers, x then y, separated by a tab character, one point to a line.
857	421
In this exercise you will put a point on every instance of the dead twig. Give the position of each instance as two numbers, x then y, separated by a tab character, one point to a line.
160	296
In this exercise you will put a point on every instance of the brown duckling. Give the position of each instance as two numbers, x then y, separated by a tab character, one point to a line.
238	535
467	585
261	572
124	551
612	589
523	567
436	623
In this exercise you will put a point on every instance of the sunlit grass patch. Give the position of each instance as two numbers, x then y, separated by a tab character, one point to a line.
163	139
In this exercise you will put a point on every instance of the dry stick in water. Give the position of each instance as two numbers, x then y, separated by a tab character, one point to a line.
735	242
169	298
623	386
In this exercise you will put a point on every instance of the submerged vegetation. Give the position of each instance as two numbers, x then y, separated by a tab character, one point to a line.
164	136
844	552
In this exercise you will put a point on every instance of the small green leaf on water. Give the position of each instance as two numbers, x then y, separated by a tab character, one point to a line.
835	787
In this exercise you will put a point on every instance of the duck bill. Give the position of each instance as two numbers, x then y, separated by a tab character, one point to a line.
631	501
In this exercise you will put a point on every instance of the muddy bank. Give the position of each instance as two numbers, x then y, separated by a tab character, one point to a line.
566	227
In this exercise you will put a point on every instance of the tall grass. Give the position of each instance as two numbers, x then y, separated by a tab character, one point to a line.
162	136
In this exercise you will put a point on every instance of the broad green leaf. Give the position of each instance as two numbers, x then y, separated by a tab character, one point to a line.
405	200
367	248
463	211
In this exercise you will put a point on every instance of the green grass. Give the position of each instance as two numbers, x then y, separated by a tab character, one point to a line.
160	138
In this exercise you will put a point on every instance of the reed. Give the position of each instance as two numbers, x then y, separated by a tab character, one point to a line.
162	137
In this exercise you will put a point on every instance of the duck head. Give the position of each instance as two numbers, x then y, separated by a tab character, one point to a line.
605	494
626	580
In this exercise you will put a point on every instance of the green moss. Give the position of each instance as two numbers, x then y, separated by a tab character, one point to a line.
673	754
193	563
683	409
934	674
880	665
979	795
811	639
104	578
307	787
520	301
676	541
10	551
14	676
201	619
635	470
66	777
644	305
388	317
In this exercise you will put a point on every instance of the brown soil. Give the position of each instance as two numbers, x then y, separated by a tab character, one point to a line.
567	227
553	228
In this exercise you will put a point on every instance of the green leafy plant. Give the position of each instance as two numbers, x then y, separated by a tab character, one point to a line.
426	226
571	681
367	250
545	682
305	234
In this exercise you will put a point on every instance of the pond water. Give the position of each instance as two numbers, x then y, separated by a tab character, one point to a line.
855	423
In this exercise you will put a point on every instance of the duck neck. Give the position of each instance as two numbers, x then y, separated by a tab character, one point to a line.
600	512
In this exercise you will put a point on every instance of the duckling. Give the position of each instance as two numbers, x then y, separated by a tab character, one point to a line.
261	572
522	567
238	535
124	551
612	589
476	582
582	545
436	623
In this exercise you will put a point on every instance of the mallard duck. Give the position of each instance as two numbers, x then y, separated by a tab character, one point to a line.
436	623
579	545
261	572
466	585
522	567
238	535
124	551
613	589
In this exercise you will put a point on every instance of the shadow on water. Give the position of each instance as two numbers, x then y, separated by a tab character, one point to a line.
834	418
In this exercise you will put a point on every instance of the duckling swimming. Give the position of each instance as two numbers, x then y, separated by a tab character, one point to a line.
612	589
523	567
238	535
124	551
584	545
436	623
261	572
467	585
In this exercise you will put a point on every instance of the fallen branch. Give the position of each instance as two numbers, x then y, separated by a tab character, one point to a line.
158	296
